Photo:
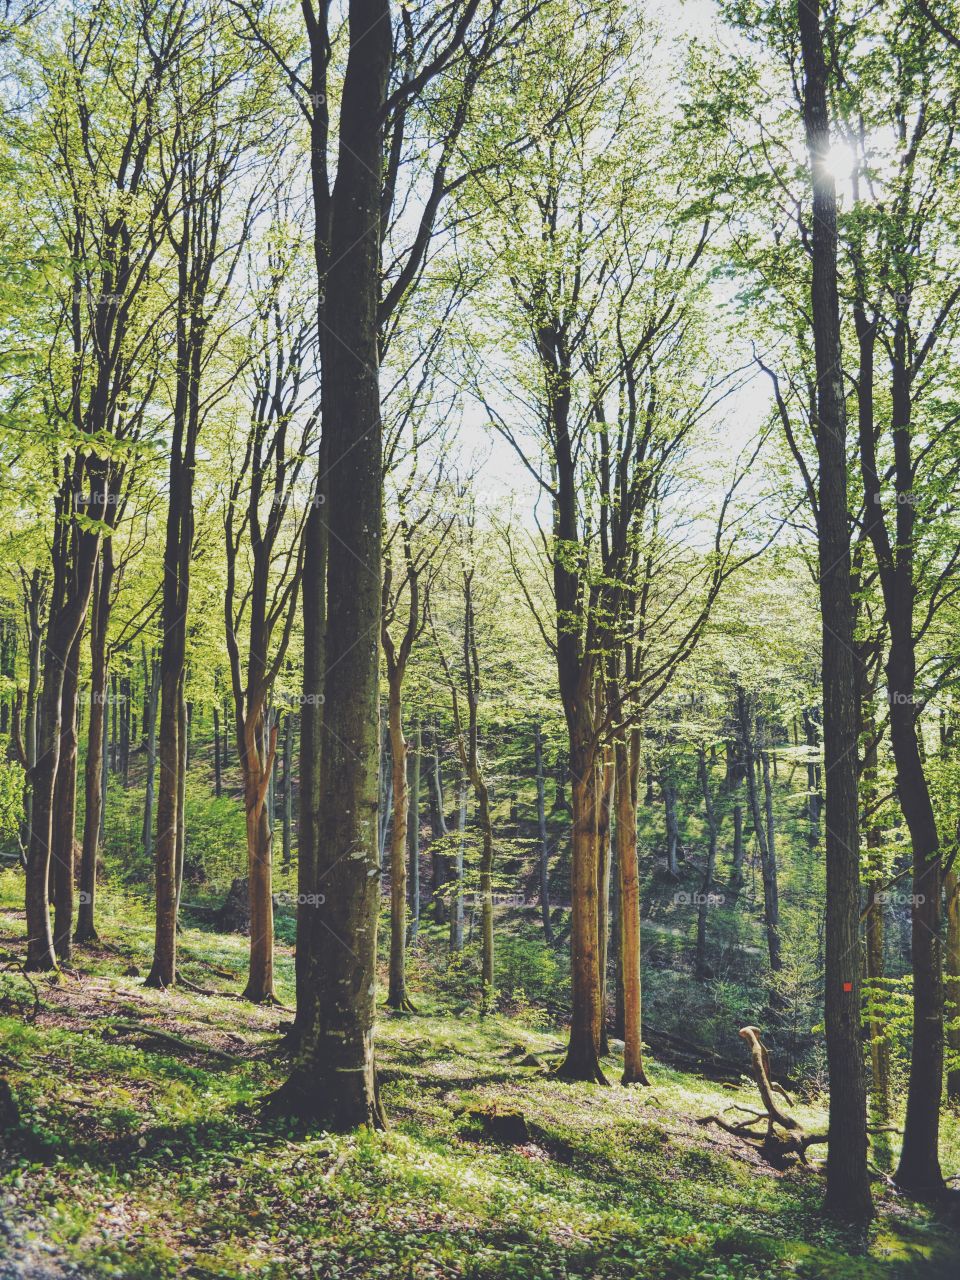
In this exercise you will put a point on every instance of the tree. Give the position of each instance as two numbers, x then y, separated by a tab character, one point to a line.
848	1185
411	549
103	211
333	1079
214	133
763	829
467	737
263	527
905	306
602	279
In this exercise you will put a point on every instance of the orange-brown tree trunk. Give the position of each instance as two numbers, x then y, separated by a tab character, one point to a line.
65	809
258	759
605	784
486	884
626	756
397	997
583	1053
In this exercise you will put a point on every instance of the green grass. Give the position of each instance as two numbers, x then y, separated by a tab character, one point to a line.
137	1158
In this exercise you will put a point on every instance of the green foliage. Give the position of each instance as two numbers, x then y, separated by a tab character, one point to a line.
889	1003
527	969
11	798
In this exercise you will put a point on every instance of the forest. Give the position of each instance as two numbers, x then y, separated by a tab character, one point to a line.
480	639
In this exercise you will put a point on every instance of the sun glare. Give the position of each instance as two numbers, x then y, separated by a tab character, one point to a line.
840	162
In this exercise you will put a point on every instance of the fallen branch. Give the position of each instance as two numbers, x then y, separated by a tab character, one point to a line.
14	963
784	1136
192	1046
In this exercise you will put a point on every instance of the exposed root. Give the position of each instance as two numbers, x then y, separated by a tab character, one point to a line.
576	1068
260	997
402	1004
639	1077
296	1099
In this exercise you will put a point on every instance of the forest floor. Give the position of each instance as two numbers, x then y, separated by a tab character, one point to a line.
126	1153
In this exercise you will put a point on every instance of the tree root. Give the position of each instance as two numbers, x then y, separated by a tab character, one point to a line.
403	1004
576	1071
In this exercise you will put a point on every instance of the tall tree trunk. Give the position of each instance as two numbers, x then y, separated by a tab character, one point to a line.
616	943
385	827
605	787
40	952
848	1185
75	556
287	792
456	901
768	865
919	1171
313	604
627	758
384	795
544	844
104	773
768	806
582	1061
440	862
114	734
736	865
258	753
272	783
486	884
34	591
152	711
413	831
397	997
65	809
706	886
125	696
183	748
217	773
177	555
93	766
334	1076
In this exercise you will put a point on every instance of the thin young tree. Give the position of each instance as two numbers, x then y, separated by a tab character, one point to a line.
218	119
263	524
102	208
411	550
467	681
